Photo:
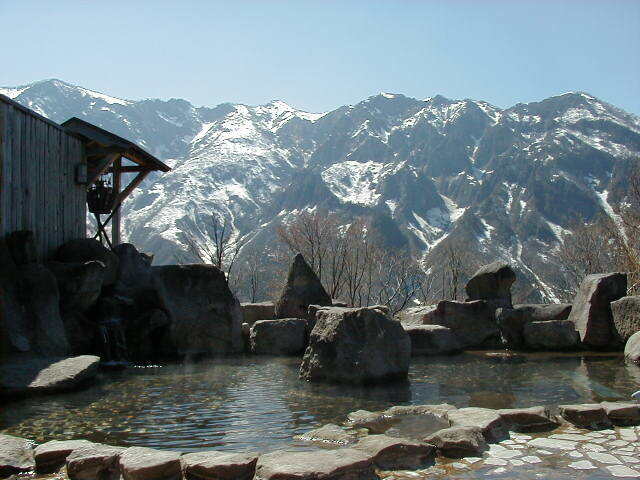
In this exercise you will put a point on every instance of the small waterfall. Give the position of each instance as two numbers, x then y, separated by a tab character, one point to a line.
113	341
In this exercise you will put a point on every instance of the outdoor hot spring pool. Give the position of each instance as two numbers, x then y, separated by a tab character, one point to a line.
258	403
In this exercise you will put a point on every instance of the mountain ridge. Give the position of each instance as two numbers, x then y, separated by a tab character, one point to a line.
442	171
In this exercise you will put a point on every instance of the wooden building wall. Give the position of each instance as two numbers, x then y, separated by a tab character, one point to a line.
38	189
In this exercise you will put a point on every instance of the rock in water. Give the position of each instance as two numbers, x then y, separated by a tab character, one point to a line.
356	345
278	337
626	317
205	316
457	442
93	461
43	375
432	340
303	288
215	465
141	463
492	283
472	322
340	464
632	349
512	321
591	312
87	249
551	335
16	455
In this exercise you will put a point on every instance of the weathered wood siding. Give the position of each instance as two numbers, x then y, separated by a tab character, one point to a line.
38	190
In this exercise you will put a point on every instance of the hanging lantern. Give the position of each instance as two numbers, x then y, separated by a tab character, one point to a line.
101	196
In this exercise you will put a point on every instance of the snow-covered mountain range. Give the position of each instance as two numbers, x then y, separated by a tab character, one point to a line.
501	183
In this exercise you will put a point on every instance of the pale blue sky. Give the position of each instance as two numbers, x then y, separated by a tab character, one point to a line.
318	55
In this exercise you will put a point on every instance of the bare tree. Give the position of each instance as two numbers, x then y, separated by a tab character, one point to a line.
211	241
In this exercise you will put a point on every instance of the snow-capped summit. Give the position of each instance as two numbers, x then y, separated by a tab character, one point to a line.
431	173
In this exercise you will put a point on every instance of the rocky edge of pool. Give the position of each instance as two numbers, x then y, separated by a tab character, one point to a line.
92	307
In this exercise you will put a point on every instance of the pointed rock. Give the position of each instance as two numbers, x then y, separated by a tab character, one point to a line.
303	288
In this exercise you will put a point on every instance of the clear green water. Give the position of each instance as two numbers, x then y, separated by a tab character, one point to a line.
258	403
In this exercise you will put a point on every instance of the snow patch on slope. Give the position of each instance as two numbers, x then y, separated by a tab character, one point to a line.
354	182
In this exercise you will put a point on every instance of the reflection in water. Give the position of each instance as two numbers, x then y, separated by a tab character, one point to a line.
258	403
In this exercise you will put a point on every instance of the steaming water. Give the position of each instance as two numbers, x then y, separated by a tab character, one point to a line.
256	403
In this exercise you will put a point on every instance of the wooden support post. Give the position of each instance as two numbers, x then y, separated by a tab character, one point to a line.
117	184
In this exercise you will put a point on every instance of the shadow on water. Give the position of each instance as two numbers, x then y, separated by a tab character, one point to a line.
259	402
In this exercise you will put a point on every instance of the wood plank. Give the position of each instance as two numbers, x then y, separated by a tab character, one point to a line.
3	169
102	167
117	188
16	204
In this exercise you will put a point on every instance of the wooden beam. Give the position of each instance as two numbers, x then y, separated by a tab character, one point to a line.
132	185
103	151
95	173
129	169
117	185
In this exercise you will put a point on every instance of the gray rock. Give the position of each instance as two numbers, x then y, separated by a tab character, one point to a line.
391	453
93	461
16	455
328	434
591	312
134	276
278	337
375	422
205	316
413	315
626	317
622	413
473	322
22	247
86	249
141	463
458	442
356	345
441	410
80	284
51	455
432	340
511	321
341	464
252	312
528	419
551	335
14	330
492	283
490	422
214	465
38	293
632	349
303	288
585	415
28	376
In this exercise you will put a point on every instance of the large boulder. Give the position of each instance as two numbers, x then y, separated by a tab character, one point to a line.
356	345
632	349
205	316
591	312
134	279
80	284
303	288
36	289
472	322
511	321
28	376
215	465
252	312
551	335
278	337
16	455
341	464
626	317
86	249
492	283
432	340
